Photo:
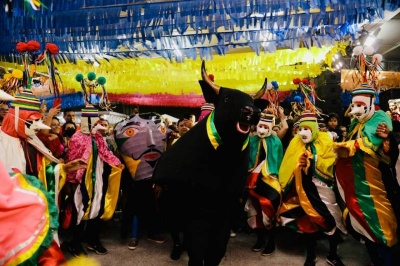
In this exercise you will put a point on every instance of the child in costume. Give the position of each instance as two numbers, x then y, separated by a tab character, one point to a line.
366	179
306	177
264	190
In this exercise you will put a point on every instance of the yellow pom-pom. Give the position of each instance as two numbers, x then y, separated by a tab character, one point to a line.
17	74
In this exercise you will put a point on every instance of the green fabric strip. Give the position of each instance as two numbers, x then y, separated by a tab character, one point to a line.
364	197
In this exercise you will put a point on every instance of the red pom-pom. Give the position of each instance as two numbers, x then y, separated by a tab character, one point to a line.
296	81
305	81
211	76
312	85
22	47
33	46
52	48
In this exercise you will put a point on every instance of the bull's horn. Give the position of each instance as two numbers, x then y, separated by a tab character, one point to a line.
207	79
261	92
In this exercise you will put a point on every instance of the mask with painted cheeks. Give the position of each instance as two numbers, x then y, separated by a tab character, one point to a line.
264	126
361	109
305	134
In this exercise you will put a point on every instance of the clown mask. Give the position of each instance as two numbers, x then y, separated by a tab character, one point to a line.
264	129
33	126
362	108
305	134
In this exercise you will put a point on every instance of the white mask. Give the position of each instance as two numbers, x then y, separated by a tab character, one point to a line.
305	134
361	108
264	129
34	127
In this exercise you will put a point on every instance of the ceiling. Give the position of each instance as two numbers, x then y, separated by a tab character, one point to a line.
178	30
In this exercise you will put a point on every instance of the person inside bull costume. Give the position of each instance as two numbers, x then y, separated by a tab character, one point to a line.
308	200
208	168
263	186
366	178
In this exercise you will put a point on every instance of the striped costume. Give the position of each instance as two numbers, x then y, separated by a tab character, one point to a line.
264	188
309	203
364	179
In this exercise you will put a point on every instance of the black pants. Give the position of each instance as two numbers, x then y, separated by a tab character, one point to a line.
140	201
207	228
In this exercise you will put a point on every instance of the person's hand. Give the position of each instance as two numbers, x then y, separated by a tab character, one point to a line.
75	165
382	130
303	159
54	111
281	112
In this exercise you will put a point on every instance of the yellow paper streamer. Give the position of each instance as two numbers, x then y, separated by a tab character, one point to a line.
244	71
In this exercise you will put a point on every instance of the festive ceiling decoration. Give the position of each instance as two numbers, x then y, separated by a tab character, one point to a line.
157	82
92	30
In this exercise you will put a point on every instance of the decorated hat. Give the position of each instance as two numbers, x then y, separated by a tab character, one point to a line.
363	94
26	100
310	120
89	117
364	90
206	108
267	118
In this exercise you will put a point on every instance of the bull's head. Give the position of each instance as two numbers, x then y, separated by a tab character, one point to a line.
233	108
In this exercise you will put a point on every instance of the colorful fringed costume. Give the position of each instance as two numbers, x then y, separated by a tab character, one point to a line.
363	180
28	222
263	184
91	199
309	203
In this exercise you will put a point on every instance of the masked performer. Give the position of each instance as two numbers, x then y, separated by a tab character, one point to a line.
141	142
306	176
366	179
266	154
22	150
95	188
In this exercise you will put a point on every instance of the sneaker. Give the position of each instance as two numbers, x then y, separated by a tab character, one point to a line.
310	261
334	260
133	243
176	252
158	239
233	234
269	249
77	250
97	247
258	246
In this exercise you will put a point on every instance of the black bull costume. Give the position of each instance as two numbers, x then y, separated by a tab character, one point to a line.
206	169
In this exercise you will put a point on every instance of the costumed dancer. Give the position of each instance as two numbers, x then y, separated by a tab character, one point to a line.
306	177
264	190
95	189
23	151
141	143
366	177
28	221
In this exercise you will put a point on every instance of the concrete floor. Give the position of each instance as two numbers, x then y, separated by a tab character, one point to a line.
290	251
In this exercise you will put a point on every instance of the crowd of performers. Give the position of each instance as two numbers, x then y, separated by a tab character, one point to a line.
306	174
